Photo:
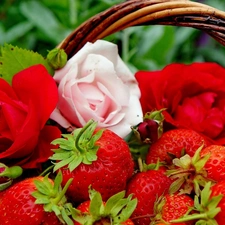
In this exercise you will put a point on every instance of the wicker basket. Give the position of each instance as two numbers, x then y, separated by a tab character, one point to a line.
147	12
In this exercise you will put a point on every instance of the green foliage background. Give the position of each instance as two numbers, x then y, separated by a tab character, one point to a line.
41	24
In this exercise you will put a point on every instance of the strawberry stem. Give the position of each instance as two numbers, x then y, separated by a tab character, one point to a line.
46	170
203	216
77	147
63	192
53	198
205	206
89	124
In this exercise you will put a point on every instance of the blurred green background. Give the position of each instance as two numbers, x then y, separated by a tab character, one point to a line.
41	25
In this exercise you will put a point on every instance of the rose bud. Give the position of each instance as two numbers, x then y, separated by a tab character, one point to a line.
151	128
145	133
57	58
7	174
148	130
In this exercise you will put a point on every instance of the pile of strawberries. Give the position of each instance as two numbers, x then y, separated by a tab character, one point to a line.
96	177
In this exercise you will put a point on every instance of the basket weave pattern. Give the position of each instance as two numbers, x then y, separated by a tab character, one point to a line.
147	12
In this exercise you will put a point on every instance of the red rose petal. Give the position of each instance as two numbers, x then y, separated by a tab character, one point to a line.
43	149
42	90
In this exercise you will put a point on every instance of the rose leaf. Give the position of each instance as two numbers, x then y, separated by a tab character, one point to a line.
14	59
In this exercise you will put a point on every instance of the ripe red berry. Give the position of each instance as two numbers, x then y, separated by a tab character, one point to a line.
95	157
173	143
147	187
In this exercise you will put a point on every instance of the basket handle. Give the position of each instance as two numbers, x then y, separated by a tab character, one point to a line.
147	12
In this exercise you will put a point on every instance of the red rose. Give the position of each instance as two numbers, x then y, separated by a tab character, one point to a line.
194	96
24	109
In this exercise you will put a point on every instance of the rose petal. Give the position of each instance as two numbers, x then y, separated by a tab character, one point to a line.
43	149
42	90
189	93
96	84
35	89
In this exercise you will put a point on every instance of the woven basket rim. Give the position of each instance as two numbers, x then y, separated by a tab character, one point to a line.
147	12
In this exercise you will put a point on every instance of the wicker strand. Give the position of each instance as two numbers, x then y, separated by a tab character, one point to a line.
147	12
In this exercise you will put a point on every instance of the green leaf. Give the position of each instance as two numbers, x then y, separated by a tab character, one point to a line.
37	194
95	137
43	200
61	155
96	204
86	134
66	143
58	181
16	31
113	200
119	206
127	211
90	156
44	20
75	163
77	147
205	194
56	210
62	163
66	218
41	187
14	59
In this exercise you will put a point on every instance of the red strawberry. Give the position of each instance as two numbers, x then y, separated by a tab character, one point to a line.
219	190
191	173
209	208
172	206
33	201
94	157
147	187
173	143
215	165
116	210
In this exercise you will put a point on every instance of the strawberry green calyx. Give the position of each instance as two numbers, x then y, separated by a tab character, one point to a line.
143	167
116	210
189	173
206	208
52	197
77	147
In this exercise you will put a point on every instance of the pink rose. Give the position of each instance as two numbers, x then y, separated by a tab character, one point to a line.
96	84
194	96
25	108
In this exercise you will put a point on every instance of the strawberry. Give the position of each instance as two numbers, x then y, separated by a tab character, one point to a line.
93	156
116	210
172	206
192	173
215	165
219	190
36	200
173	144
147	186
209	207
